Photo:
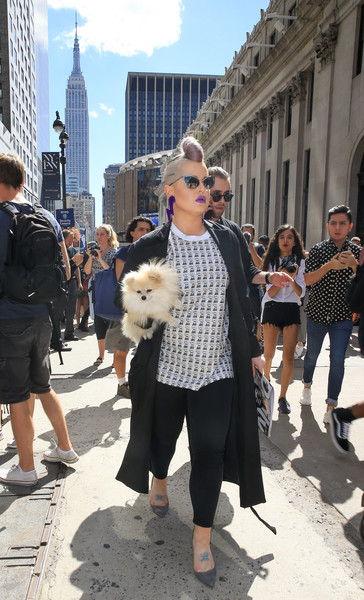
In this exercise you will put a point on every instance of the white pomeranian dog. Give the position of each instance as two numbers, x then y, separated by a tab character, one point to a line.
148	295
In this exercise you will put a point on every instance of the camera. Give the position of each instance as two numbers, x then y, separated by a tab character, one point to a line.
247	236
93	248
289	264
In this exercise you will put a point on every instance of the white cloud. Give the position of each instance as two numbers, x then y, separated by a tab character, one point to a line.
106	108
125	27
93	114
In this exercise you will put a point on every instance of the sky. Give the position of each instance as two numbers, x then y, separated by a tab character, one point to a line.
118	36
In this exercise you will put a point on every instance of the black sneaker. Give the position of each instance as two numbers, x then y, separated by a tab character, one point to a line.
284	406
339	431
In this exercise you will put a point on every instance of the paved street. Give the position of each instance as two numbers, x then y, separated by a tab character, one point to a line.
98	539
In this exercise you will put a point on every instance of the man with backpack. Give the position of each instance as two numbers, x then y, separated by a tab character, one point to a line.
25	329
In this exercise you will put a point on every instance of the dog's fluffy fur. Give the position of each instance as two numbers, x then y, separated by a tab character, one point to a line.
149	293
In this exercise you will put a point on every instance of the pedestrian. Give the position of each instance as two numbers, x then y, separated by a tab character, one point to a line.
257	252
328	267
340	420
264	241
201	367
25	333
73	287
101	257
220	196
281	307
115	340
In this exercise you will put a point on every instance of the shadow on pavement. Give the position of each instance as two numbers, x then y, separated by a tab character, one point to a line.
88	426
126	552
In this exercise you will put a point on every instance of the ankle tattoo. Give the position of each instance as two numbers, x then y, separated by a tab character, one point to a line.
204	556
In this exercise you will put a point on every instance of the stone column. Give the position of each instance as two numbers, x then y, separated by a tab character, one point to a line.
276	107
260	124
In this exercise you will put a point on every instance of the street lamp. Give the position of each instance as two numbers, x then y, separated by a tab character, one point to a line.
60	128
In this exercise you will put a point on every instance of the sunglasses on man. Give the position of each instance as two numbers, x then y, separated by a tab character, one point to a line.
192	182
216	196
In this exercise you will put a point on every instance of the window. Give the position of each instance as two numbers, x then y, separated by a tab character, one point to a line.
360	45
270	130
256	60
252	202
273	38
255	142
285	191
240	207
267	201
289	115
306	182
310	96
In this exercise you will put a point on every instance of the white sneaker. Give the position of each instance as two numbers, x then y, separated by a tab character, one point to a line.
326	418
56	455
298	352
13	476
11	445
305	399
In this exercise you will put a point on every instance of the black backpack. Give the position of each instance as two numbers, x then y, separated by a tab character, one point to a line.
34	271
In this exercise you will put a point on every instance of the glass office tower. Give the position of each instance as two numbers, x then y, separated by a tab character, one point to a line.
159	108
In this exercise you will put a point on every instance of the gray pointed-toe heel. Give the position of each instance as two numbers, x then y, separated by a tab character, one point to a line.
207	578
160	511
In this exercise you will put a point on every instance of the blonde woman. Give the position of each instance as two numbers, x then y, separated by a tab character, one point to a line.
99	259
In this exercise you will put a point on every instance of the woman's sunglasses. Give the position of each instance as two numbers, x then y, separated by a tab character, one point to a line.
193	182
216	196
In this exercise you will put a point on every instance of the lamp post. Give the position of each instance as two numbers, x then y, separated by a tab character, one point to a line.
60	128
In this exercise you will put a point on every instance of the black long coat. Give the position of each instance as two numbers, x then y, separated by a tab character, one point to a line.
242	454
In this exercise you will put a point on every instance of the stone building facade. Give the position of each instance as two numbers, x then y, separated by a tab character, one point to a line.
135	189
287	120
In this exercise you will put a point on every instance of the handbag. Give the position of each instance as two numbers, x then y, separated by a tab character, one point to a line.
104	289
86	282
355	291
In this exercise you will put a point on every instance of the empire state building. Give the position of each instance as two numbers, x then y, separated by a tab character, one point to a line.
77	124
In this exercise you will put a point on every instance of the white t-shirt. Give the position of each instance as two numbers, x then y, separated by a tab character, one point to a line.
287	293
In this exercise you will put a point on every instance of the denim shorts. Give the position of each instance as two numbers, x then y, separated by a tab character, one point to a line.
281	314
24	358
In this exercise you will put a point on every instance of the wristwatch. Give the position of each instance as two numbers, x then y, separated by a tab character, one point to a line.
267	275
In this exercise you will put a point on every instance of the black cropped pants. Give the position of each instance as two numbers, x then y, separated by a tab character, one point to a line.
207	412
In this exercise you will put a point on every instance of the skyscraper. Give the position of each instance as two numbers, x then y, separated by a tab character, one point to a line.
77	125
159	107
18	107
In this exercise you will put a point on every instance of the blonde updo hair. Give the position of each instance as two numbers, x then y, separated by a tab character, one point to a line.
190	150
112	239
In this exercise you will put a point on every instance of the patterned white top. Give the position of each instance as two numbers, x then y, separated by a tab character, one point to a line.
197	351
107	257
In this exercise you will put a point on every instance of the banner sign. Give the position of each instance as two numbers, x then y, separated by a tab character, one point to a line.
51	186
65	217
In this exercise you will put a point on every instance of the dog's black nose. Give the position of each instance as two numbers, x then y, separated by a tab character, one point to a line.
143	297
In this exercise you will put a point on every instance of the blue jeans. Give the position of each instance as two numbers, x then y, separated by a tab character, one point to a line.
339	334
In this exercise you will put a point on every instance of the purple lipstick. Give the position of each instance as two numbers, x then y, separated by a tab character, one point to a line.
201	199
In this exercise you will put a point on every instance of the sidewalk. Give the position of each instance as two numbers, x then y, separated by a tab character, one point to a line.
107	543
